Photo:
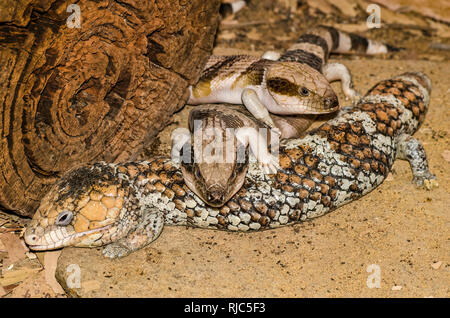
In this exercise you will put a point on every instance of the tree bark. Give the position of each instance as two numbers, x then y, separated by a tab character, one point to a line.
70	96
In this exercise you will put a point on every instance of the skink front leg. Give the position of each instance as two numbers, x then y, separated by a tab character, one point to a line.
150	226
340	72
410	149
258	145
271	55
251	101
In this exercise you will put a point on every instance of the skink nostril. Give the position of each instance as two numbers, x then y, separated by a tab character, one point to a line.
331	102
30	238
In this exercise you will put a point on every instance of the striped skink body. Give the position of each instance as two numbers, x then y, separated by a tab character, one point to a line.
296	82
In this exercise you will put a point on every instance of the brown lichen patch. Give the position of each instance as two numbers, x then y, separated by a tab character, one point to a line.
282	177
382	115
410	96
190	213
330	181
165	179
224	210
347	149
311	161
157	165
169	193
316	175
381	128
152	177
285	161
264	220
255	216
324	188
303	193
294	179
178	190
353	139
246	205
338	136
287	188
261	207
315	196
294	154
308	183
159	187
233	206
301	170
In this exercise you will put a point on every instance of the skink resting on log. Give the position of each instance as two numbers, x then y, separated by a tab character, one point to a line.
293	83
124	207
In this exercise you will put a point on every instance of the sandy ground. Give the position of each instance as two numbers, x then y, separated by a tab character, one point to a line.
397	233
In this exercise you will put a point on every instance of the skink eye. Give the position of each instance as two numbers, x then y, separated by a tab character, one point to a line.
304	91
64	218
198	174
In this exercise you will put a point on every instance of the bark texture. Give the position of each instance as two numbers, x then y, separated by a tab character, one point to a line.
70	96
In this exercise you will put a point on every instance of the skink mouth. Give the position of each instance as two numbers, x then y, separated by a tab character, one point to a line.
305	109
43	247
323	111
216	195
69	240
216	203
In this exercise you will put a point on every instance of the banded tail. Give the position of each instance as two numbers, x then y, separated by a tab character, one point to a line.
314	47
229	8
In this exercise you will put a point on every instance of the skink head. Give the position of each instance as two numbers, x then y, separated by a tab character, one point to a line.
215	183
299	89
80	210
214	170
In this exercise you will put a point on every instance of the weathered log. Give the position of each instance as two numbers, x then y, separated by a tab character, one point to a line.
72	95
